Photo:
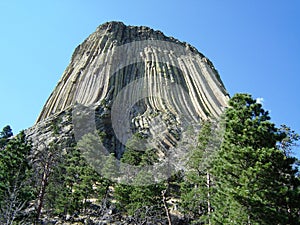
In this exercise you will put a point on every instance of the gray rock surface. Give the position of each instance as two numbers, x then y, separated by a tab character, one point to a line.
136	78
100	68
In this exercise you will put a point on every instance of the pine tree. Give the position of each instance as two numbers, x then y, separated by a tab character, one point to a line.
16	189
5	134
45	162
73	183
143	197
255	181
197	187
99	160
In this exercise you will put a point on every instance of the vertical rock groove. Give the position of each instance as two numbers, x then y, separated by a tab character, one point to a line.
173	79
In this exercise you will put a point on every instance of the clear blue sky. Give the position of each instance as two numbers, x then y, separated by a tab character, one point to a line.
255	45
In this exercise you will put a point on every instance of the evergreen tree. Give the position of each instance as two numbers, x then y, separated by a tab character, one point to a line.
197	187
45	162
140	198
256	182
16	189
106	166
6	132
4	135
143	197
73	183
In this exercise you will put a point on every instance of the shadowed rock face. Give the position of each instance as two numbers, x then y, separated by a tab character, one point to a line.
123	80
136	75
94	72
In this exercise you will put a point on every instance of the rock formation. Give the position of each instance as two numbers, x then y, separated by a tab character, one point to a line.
133	76
88	77
124	80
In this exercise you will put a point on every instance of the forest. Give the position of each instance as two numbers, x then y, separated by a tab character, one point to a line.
252	178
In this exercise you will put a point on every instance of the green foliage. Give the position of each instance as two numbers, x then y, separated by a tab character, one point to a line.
255	181
4	135
110	167
253	177
6	132
72	184
14	165
15	176
137	154
55	125
248	124
138	196
132	198
247	177
289	141
196	187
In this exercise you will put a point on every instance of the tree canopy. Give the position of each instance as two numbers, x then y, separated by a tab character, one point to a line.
242	171
251	179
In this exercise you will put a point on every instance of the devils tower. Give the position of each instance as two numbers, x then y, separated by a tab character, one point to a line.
131	75
140	130
122	82
87	79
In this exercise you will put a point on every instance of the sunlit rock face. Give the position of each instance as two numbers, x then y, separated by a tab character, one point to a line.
133	76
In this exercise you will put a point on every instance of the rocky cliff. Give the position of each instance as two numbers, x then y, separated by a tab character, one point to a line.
121	81
132	76
97	70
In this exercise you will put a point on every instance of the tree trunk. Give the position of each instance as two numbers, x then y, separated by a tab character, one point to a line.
166	207
41	195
